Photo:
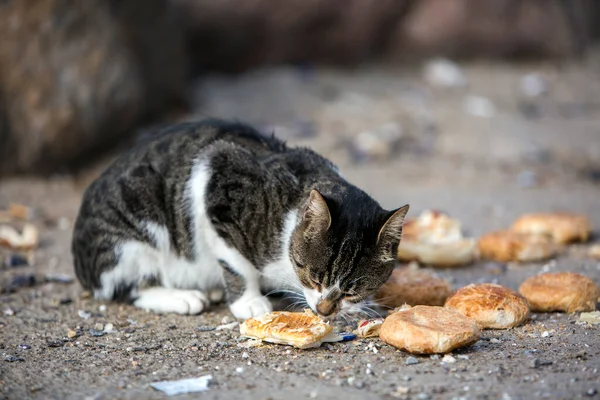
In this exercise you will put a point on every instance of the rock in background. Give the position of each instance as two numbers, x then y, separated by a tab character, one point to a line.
77	75
234	35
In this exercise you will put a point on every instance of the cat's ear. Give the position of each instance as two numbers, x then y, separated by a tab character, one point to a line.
316	213
391	232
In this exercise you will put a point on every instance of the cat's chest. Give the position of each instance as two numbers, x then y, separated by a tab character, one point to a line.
279	274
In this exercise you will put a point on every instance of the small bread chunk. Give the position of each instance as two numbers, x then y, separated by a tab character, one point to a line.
560	291
561	227
301	330
414	287
492	306
436	239
368	327
505	246
429	330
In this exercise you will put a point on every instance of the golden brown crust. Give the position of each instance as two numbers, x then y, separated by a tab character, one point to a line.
561	227
302	330
492	306
414	287
560	291
505	246
435	239
428	330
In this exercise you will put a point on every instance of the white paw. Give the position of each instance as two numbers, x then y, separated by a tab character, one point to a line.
249	307
163	300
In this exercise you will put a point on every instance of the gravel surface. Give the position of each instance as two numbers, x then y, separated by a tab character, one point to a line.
532	144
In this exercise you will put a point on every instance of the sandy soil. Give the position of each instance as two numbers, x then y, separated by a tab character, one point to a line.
528	154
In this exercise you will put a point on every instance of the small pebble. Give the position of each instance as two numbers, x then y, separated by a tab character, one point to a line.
24	346
245	355
423	396
448	359
411	361
591	392
11	358
84	314
71	334
533	85
54	343
97	333
495	341
15	260
102	308
545	334
9	312
239	370
478	106
402	390
527	179
59	278
205	328
21	281
444	73
351	380
109	328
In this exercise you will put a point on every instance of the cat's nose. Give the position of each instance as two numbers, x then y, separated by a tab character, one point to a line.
326	308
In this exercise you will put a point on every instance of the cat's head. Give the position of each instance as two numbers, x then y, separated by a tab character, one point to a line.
344	250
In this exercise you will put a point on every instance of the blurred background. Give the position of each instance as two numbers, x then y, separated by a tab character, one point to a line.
401	94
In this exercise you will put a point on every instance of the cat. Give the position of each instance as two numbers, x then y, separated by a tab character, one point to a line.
202	210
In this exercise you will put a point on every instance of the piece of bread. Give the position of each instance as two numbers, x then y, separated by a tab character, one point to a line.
415	287
492	306
561	227
436	239
368	327
505	246
26	240
301	330
429	330
560	291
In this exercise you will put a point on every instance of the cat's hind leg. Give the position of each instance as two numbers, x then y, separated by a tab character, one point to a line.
153	279
166	300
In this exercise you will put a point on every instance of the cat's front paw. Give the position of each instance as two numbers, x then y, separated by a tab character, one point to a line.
249	307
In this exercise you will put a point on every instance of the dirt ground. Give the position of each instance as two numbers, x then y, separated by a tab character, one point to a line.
524	154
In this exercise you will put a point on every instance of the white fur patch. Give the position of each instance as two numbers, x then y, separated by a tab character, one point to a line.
280	273
312	298
165	300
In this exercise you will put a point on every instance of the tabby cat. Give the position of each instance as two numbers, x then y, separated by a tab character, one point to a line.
200	210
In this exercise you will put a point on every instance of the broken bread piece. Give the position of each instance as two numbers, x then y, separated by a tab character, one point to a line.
437	240
561	227
505	246
26	240
411	286
429	330
302	330
369	327
492	306
560	291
